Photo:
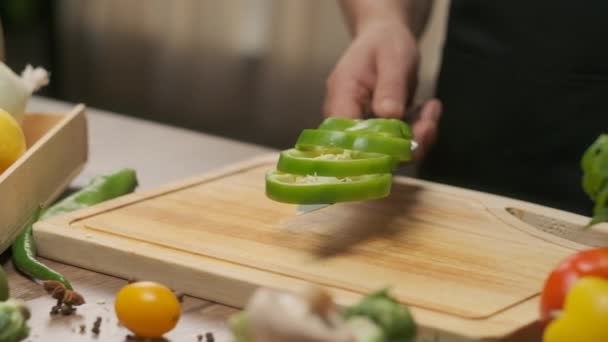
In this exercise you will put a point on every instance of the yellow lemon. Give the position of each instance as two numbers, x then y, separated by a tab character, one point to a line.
12	141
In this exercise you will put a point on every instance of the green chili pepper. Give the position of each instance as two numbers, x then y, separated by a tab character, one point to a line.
100	189
4	289
398	148
289	188
594	164
334	163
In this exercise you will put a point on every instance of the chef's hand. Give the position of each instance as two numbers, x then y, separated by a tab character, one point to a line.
378	72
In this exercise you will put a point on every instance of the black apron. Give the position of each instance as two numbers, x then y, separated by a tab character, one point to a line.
525	91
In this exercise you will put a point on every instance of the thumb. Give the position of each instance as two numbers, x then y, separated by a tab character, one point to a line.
425	128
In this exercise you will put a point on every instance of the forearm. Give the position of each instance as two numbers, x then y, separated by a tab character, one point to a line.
362	13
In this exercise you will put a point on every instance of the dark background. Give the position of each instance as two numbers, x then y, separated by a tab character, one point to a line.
28	27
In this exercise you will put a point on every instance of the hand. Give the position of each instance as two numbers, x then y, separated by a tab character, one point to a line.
378	72
425	127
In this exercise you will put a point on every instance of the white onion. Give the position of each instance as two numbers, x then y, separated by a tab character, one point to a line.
15	91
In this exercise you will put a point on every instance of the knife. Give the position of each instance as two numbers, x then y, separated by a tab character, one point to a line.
412	115
565	230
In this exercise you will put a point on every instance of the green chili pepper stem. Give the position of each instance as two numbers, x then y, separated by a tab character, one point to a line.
100	189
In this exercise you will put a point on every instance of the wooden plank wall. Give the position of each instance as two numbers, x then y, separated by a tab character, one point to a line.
248	69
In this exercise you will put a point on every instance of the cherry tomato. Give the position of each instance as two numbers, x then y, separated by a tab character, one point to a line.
147	308
593	262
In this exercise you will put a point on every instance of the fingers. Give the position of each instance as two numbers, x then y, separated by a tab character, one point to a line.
349	87
345	98
390	92
378	70
425	129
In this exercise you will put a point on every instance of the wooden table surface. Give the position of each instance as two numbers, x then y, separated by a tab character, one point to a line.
118	141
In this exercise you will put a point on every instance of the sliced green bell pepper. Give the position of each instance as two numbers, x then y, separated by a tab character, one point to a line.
297	189
334	163
385	127
337	124
398	148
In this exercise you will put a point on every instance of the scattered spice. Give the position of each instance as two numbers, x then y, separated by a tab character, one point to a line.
130	337
73	298
199	337
55	309
67	310
209	337
96	326
83	328
66	299
55	289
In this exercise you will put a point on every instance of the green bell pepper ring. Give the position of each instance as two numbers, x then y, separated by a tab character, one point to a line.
345	163
398	148
100	189
384	127
337	124
296	189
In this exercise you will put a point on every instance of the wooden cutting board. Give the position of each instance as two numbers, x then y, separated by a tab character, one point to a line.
463	263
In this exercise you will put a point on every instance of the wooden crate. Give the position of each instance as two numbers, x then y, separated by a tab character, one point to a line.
57	151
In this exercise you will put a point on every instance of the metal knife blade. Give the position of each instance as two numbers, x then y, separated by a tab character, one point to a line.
577	233
306	208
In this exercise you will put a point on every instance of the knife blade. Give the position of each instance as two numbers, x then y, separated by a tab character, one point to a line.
576	233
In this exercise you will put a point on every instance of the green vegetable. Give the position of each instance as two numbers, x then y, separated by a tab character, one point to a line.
595	177
100	189
334	163
13	321
342	160
289	188
386	127
4	289
239	326
365	330
398	148
394	319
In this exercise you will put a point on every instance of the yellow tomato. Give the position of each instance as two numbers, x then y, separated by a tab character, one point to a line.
12	141
147	308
